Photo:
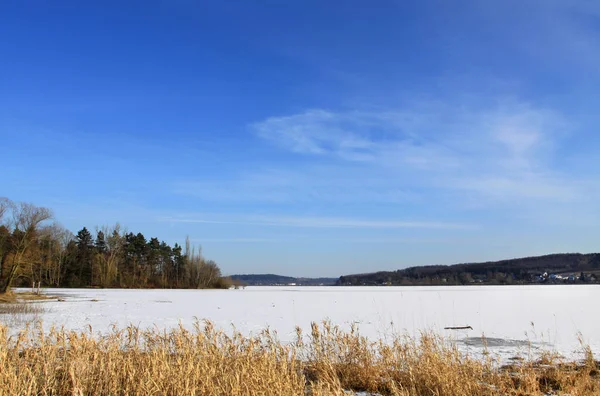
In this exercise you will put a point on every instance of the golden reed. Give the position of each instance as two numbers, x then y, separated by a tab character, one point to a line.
208	361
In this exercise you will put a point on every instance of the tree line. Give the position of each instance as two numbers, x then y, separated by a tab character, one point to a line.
585	267
34	249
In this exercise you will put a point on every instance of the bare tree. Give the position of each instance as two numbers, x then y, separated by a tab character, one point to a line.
5	206
110	260
208	274
32	248
26	221
55	240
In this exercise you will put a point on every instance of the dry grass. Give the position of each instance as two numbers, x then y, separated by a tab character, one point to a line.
206	361
19	297
17	315
17	309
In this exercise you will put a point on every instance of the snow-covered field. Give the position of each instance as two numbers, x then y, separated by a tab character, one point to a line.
509	317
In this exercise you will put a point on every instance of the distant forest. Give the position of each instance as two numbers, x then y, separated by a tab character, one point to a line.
33	249
554	268
277	280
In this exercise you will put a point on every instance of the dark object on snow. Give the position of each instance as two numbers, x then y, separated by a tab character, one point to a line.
459	328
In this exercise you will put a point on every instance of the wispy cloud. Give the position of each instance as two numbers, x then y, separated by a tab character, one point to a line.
276	184
355	136
234	240
317	222
418	135
505	150
526	186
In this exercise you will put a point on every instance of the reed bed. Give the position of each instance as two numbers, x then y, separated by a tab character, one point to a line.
208	361
17	313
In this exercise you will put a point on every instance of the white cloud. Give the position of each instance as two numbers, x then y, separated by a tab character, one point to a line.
503	152
429	159
383	137
316	132
517	140
315	222
532	187
418	136
234	240
282	185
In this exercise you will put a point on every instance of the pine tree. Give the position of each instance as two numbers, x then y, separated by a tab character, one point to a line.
100	242
85	250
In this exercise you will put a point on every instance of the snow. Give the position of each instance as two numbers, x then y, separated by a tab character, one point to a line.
511	317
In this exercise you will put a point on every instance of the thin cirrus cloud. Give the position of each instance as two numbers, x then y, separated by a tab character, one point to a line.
275	184
432	135
419	154
317	222
503	151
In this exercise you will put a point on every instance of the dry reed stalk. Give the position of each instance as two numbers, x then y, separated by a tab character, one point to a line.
207	361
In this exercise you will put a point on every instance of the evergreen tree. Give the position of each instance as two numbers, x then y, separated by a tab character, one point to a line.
100	242
85	246
32	251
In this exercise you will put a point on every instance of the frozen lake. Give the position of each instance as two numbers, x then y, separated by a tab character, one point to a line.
509	317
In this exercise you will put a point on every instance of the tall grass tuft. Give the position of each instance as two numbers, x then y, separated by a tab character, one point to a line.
17	314
208	361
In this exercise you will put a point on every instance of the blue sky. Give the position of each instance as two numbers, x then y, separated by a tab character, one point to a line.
313	138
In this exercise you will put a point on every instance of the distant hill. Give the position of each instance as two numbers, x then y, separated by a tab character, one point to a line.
553	268
279	280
